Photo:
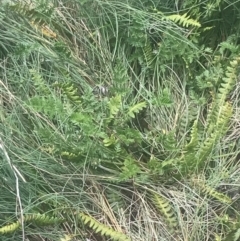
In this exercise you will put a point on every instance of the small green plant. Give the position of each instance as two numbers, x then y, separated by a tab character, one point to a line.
166	209
38	219
102	229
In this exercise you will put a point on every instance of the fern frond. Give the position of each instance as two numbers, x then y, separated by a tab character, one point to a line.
228	82
115	105
219	101
217	128
194	138
71	91
42	219
10	228
39	82
108	141
38	219
223	198
70	155
136	109
49	106
148	54
102	229
184	20
166	209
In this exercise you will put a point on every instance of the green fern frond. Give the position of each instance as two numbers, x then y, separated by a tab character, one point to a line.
188	159
108	141
136	109
219	101
114	105
42	219
186	120
220	111
38	219
70	155
148	54
71	91
206	149
10	228
223	198
184	20
130	169
103	229
217	128
225	113
166	209
229	81
49	105
39	82
194	138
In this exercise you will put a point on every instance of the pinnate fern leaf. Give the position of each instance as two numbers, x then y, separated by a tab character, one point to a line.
221	197
10	228
115	105
38	219
194	138
136	109
103	229
42	219
184	20
217	128
71	91
166	209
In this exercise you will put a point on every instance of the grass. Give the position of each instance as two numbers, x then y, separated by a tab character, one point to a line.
67	151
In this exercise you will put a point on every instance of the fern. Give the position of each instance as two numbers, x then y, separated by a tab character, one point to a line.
115	105
218	115
129	170
166	209
220	127
148	54
136	109
212	192
191	146
102	229
42	219
220	98
229	81
39	82
10	228
38	219
71	91
108	141
189	151
49	106
184	20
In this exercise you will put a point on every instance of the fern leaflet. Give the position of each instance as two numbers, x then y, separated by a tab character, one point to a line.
184	20
136	109
103	229
166	210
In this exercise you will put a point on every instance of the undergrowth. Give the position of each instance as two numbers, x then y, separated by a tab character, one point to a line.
119	120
